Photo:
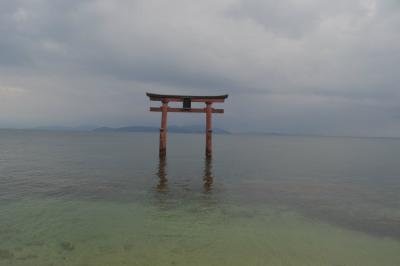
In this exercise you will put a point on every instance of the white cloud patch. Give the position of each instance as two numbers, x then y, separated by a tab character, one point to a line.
11	91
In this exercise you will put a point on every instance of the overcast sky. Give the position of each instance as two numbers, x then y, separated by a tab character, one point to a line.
299	66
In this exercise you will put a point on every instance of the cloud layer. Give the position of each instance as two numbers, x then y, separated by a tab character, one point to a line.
307	66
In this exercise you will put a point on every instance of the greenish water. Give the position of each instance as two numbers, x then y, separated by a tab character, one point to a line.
106	199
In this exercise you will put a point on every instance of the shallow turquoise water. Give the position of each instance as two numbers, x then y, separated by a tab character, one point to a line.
106	199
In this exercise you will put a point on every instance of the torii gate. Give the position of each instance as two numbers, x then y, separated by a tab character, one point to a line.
186	108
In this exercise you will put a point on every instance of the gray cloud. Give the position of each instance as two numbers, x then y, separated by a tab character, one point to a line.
305	66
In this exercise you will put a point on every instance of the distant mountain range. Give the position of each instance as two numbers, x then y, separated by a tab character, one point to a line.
184	129
172	129
65	128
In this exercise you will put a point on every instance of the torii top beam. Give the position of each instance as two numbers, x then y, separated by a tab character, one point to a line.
181	98
187	100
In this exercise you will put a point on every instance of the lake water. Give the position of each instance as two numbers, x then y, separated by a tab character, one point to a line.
69	198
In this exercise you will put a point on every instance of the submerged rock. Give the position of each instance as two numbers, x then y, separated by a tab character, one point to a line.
67	246
35	243
128	246
6	254
28	257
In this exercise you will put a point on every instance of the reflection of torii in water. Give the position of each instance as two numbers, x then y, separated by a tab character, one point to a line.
162	185
162	175
208	176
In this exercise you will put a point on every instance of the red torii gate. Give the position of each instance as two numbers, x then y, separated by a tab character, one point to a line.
186	108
